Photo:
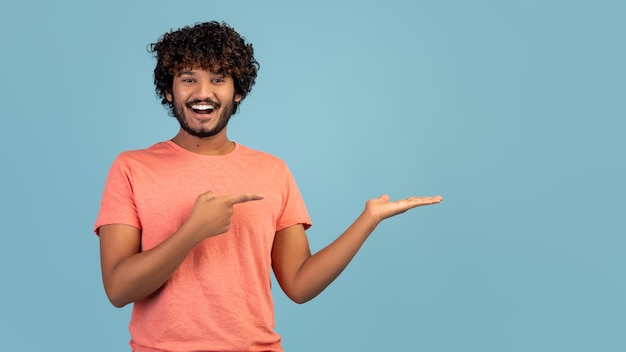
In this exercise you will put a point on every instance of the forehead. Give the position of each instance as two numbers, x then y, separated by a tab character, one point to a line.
213	65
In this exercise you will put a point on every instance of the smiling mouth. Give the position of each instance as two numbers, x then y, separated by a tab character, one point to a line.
202	108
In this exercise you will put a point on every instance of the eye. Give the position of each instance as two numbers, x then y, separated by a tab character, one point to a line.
187	80
219	80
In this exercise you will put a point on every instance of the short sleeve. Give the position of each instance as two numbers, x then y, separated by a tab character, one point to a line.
294	209
117	205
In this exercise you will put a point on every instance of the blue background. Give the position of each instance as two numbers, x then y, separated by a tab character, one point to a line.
512	110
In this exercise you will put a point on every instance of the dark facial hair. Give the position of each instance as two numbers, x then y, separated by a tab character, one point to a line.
222	122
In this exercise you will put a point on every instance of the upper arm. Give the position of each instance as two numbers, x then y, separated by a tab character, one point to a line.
117	241
290	251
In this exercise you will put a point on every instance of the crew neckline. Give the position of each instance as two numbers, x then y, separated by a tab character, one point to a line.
182	150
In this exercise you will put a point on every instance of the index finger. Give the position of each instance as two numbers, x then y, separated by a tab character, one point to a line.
242	198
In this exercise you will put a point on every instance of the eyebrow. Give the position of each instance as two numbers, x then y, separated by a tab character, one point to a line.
185	72
192	73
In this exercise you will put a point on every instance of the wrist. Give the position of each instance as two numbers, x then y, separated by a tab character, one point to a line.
191	232
370	219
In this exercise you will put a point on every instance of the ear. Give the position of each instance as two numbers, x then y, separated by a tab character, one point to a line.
237	98
168	96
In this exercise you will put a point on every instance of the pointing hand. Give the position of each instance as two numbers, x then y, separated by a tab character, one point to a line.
211	214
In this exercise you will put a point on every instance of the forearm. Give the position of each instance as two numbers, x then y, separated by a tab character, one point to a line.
303	276
130	275
139	275
322	268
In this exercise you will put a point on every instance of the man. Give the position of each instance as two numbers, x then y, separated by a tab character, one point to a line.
190	228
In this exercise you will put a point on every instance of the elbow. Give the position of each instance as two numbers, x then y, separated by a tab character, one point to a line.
118	303
298	291
300	300
117	299
300	297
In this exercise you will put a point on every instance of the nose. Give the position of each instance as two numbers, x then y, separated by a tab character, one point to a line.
205	89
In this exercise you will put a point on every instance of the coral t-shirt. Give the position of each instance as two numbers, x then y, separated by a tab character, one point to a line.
219	298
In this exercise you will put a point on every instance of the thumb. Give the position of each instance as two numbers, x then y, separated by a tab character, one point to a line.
208	195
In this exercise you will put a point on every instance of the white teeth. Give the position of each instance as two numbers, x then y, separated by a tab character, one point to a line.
202	107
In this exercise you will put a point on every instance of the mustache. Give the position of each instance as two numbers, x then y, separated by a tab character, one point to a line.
203	101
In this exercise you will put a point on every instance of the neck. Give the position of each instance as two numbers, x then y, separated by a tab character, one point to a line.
215	145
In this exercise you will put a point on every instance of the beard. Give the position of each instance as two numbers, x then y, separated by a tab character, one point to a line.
179	113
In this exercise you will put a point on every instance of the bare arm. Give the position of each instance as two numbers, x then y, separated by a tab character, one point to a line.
303	276
129	274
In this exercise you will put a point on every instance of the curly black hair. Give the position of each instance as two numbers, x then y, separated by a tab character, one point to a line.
212	46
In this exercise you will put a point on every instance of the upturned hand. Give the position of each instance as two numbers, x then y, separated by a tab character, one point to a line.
382	208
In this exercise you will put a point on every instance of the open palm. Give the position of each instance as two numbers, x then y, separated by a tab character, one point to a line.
382	208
